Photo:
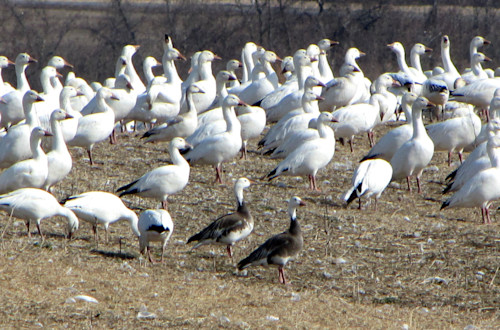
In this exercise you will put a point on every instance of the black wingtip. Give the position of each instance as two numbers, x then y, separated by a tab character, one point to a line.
367	157
447	188
353	195
452	175
445	204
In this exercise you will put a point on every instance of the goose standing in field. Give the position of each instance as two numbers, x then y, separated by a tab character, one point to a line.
389	102
215	110
436	91
221	147
478	93
95	127
405	74
99	207
341	91
206	83
58	158
4	86
415	154
165	180
28	173
370	178
86	92
194	75
15	145
230	228
281	248
182	125
154	226
11	108
455	134
253	122
35	204
308	158
483	188
475	43
388	144
295	138
258	89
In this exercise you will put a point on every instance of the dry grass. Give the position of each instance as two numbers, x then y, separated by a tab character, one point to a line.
390	276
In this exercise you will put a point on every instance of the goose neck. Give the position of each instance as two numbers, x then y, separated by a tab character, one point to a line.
418	124
176	157
171	71
415	61
294	223
447	63
58	138
36	148
22	82
232	122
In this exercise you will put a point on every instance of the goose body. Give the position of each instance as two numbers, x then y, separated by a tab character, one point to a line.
31	204
221	147
95	127
230	228
154	226
59	159
15	145
165	180
415	154
370	178
99	207
308	158
29	172
279	249
482	188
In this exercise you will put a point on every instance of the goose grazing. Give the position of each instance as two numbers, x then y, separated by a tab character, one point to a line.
482	188
279	249
36	204
230	228
28	173
370	178
95	127
390	142
415	154
154	226
165	180
58	158
99	207
308	158
221	147
12	107
182	125
15	146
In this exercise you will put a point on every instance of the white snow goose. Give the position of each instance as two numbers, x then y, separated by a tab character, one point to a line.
230	228
279	249
32	204
371	177
58	158
482	188
154	226
28	173
221	147
99	207
415	154
165	180
307	159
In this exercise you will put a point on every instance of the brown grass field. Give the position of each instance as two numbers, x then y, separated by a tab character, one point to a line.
407	265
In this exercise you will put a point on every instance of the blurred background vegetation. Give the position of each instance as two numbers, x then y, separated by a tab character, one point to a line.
90	34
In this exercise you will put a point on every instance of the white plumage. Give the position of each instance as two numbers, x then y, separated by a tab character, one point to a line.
154	226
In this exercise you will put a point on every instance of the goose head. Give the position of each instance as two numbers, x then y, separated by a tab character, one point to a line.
325	44
224	76
420	49
123	82
287	64
479	41
5	62
73	222
313	52
397	48
24	59
31	97
180	144
207	56
422	103
48	73
168	44
293	204
409	98
270	57
312	81
232	101
106	93
37	133
233	65
480	57
59	114
326	117
445	42
58	62
129	50
353	54
151	62
239	186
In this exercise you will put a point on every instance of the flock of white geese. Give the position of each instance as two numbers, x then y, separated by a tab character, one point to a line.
209	119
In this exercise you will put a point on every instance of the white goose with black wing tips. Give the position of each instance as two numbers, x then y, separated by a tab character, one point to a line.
281	248
165	180
32	204
230	228
154	226
99	207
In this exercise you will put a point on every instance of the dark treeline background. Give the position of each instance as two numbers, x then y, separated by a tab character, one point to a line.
90	35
